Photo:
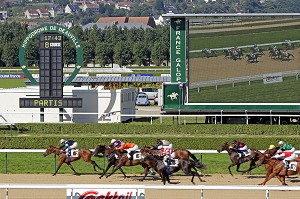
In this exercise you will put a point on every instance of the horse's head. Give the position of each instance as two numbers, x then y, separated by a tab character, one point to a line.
51	149
224	147
99	149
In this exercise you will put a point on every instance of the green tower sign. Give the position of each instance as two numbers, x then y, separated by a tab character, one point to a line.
51	28
178	50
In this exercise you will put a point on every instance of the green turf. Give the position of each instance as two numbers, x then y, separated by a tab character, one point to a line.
20	163
12	83
286	91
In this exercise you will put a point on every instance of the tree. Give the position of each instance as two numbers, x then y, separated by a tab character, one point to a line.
157	53
139	52
122	53
10	54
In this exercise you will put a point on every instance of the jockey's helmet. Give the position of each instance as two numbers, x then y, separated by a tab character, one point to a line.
281	142
272	146
233	141
112	141
62	141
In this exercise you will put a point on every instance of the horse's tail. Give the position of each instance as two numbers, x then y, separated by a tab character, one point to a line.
193	156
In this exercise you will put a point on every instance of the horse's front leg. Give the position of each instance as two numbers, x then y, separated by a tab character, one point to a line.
146	169
267	178
71	167
230	169
114	170
105	170
58	167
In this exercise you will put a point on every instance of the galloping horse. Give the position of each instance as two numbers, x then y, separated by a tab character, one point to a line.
179	153
275	167
234	157
251	58
157	164
84	154
184	163
118	159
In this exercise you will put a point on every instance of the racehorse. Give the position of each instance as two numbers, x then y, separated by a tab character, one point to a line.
257	51
156	163
276	168
184	163
209	53
179	153
286	56
288	45
186	166
234	157
118	159
251	58
84	154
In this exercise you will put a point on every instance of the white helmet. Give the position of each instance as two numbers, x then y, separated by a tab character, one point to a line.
62	141
113	141
280	142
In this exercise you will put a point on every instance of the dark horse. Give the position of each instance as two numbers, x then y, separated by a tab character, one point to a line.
84	154
234	157
117	163
276	168
156	163
251	58
184	163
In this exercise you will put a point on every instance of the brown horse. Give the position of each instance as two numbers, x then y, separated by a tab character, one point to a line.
117	159
276	168
63	158
257	154
108	153
235	159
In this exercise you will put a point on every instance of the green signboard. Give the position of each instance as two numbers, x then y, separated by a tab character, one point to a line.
178	50
173	94
51	28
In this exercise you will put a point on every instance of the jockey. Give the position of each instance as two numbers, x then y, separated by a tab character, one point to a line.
240	147
68	145
166	149
286	147
115	143
129	147
287	156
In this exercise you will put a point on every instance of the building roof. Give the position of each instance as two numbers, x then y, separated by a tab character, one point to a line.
119	25
112	20
145	20
122	79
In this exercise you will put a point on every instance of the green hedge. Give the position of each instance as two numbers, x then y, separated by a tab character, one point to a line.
144	128
190	136
209	143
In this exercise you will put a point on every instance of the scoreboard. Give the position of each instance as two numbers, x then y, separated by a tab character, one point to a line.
51	66
51	76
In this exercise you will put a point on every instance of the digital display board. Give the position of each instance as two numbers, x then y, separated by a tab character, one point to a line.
251	60
51	76
50	103
51	65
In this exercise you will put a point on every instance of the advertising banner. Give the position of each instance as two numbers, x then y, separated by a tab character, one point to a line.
105	194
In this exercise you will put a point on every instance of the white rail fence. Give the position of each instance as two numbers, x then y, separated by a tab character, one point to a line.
201	188
181	118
